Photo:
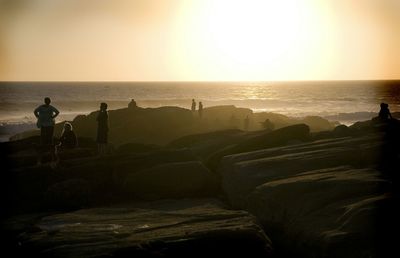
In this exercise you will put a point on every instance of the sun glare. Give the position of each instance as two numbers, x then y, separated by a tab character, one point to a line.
253	39
206	40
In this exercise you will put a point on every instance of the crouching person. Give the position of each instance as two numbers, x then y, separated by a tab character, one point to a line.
68	141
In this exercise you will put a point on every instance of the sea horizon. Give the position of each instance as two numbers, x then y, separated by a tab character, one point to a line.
345	101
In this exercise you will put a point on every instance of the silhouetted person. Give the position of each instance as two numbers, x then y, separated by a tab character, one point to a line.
132	104
390	127
102	129
46	114
68	140
193	105
384	113
200	109
268	125
246	123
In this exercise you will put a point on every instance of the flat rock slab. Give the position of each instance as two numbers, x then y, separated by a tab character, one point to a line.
320	199
168	228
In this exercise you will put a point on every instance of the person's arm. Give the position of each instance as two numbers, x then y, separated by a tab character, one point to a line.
36	112
61	140
56	112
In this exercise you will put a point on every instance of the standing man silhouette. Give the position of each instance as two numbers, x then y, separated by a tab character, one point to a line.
46	114
200	109
102	129
193	105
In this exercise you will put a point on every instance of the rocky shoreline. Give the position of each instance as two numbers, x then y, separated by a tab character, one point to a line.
192	191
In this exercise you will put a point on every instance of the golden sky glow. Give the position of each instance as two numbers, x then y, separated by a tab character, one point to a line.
199	40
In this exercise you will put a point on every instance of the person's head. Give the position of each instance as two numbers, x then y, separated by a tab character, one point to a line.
103	106
67	127
47	100
192	100
384	105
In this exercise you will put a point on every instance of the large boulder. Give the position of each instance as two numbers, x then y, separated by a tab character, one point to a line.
164	124
172	180
241	173
325	213
169	228
37	188
25	152
205	144
69	194
262	140
317	123
315	199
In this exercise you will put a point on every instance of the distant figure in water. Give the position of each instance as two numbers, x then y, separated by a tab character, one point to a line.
46	114
132	104
246	123
68	140
200	109
384	113
102	129
193	105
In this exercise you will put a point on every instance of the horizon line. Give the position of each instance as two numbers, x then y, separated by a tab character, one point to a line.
194	81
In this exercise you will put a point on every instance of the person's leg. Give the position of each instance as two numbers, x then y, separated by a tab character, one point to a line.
51	143
47	143
42	145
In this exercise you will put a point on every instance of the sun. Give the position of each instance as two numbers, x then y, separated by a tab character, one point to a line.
252	39
249	32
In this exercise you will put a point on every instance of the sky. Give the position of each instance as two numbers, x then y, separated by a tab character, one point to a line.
199	40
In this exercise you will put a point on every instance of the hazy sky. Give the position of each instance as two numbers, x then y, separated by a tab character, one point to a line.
205	40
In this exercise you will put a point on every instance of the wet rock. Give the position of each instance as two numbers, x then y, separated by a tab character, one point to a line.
68	195
172	180
170	228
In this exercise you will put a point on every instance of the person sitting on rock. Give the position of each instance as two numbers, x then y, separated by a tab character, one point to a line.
384	113
132	104
268	125
68	140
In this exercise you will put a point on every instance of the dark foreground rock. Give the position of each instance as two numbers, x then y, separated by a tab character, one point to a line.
169	228
331	194
90	181
172	180
327	198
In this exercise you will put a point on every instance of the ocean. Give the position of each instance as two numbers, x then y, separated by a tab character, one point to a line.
343	101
